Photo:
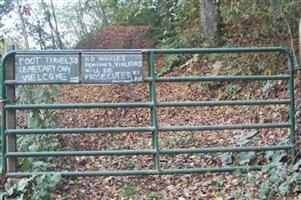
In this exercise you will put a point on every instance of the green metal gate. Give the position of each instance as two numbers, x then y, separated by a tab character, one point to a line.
154	127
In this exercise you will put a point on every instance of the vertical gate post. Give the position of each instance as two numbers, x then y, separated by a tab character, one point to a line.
154	120
299	42
11	114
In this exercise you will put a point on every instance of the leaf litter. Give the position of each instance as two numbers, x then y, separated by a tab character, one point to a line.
191	186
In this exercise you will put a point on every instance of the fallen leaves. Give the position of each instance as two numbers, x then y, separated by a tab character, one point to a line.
192	186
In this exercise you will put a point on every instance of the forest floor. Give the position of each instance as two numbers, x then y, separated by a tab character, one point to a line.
191	186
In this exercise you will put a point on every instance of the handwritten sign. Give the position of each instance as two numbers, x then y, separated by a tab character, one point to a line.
111	67
47	68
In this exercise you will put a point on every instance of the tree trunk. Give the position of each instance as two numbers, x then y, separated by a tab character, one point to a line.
209	15
23	25
104	18
80	16
101	13
57	33
40	35
47	14
75	28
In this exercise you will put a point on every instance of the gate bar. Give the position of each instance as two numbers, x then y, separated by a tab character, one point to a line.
79	106
225	127
146	152
220	50
79	130
224	103
224	149
292	104
9	56
154	118
183	78
13	82
81	153
222	78
140	172
145	129
145	104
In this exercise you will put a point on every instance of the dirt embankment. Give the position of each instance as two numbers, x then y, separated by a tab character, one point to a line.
120	37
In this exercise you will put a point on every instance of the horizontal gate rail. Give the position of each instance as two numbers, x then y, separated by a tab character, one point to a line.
82	153
13	82
139	172
222	78
145	104
224	127
153	127
220	50
145	129
225	149
224	103
79	106
195	79
79	130
146	151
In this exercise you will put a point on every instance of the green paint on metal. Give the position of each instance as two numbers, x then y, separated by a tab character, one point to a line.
223	78
81	153
140	172
154	122
146	151
292	103
6	58
79	106
145	104
154	128
79	130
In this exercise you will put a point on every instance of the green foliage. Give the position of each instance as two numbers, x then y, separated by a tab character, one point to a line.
244	158
86	39
155	197
34	188
5	7
170	61
272	18
178	31
229	91
241	65
239	30
136	13
278	178
37	119
127	191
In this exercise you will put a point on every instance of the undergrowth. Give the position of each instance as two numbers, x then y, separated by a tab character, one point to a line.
35	187
280	174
